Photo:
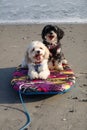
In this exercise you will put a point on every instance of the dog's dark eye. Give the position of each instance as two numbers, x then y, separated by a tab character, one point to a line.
41	48
33	49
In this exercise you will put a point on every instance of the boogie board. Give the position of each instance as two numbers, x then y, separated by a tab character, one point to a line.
57	82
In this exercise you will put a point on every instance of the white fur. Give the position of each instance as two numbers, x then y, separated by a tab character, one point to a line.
32	59
53	40
58	50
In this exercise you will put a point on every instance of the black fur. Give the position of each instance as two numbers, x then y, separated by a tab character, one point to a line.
55	56
48	28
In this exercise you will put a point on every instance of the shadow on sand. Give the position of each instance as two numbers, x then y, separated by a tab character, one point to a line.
8	95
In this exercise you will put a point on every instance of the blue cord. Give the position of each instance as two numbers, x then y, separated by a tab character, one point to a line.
26	113
24	107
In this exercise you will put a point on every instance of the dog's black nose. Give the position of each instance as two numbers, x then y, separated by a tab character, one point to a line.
51	33
38	52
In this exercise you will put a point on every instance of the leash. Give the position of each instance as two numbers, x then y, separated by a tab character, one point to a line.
24	127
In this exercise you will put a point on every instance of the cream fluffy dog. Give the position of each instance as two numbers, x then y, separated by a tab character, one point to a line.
36	59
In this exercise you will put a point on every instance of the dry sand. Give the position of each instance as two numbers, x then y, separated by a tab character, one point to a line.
58	112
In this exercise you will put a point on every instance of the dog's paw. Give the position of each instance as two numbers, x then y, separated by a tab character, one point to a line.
59	67
44	75
33	75
64	61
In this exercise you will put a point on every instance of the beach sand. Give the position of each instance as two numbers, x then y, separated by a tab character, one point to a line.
56	112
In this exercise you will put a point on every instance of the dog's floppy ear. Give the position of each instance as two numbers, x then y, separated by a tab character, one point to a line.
27	59
47	53
45	30
60	32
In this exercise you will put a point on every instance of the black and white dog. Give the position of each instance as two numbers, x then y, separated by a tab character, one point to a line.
51	36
